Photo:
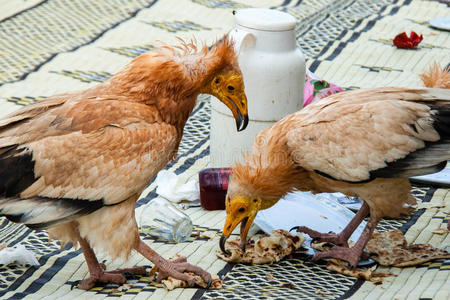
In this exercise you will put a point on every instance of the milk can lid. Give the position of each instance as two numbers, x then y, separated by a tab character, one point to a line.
264	19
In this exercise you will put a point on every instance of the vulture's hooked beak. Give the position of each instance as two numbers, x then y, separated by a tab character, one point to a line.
241	121
238	107
235	216
244	231
229	89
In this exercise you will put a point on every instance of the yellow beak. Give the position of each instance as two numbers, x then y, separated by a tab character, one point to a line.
229	89
230	224
238	106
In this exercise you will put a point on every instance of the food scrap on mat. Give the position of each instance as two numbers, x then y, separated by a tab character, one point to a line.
388	248
392	249
171	283
341	267
263	249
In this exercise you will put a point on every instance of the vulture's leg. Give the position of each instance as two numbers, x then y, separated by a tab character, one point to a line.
340	239
175	268
97	270
351	255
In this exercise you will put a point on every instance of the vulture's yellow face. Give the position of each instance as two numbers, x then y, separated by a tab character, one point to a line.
228	87
240	210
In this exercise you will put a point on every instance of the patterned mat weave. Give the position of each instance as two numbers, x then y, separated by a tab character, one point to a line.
53	46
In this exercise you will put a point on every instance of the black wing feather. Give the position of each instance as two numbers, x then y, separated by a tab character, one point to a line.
16	171
16	175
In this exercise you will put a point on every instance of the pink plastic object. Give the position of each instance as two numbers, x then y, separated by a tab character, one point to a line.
213	187
316	88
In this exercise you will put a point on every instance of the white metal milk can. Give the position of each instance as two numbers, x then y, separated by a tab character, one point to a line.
273	68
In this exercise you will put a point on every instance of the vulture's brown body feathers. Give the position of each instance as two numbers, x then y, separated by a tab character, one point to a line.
362	143
76	163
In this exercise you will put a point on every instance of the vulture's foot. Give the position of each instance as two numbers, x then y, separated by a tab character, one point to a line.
128	271
115	276
339	239
350	255
175	268
104	277
334	238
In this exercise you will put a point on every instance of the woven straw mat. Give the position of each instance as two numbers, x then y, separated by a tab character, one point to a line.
54	46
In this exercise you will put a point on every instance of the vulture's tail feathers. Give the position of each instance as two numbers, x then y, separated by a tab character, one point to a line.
433	157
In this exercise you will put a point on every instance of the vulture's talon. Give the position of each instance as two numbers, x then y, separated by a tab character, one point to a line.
294	228
365	255
315	239
209	284
74	284
130	275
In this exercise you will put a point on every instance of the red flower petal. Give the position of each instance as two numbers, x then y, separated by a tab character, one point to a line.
403	41
415	38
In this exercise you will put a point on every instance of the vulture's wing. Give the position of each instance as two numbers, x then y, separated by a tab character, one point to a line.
71	159
358	136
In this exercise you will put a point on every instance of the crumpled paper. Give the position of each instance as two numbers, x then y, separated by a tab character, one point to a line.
175	189
19	255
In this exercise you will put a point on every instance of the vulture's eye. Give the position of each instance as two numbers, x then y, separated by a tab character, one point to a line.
217	80
255	200
241	210
230	88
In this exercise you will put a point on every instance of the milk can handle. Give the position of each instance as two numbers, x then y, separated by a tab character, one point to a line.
240	38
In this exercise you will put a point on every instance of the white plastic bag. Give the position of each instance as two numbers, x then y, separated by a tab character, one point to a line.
19	255
173	187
